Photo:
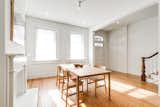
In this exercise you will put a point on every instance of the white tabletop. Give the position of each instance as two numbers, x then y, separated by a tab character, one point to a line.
88	71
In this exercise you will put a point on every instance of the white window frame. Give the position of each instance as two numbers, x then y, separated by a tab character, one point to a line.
56	38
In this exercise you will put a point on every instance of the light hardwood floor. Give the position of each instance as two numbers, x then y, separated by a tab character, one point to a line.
126	91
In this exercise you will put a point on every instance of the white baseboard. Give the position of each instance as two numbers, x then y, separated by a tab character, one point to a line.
136	74
41	75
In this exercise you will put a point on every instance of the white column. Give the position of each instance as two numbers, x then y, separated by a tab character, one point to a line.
159	45
91	47
12	84
3	59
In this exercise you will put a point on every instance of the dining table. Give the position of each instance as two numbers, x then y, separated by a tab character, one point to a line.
86	72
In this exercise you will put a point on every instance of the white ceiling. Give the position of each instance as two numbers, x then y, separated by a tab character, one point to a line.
92	12
151	11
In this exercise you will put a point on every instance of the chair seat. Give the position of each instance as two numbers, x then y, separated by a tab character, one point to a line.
72	84
73	78
96	78
72	92
61	74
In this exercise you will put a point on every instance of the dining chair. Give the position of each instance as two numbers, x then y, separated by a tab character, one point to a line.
96	79
69	87
61	74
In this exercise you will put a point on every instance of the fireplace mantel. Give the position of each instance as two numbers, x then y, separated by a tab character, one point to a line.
17	73
14	49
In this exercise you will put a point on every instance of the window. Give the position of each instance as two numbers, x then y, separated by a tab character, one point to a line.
45	45
19	34
76	46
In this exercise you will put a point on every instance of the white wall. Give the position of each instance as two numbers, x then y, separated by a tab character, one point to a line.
43	69
20	6
118	49
142	41
129	43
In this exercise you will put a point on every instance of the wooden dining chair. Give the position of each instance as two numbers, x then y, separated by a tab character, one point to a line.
69	87
96	79
61	74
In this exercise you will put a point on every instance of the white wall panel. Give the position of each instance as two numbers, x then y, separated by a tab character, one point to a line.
142	41
118	49
128	44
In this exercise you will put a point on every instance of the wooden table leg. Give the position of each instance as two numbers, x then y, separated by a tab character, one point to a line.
57	76
109	86
87	85
77	91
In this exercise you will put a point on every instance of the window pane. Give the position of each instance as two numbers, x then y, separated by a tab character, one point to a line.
19	34
45	45
76	46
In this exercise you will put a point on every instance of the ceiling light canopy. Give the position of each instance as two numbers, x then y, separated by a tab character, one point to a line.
80	3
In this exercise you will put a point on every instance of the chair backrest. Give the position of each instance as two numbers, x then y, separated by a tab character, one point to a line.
100	66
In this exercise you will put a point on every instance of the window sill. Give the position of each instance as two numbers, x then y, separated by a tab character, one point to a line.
76	59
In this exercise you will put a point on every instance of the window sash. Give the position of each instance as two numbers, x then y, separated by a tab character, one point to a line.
45	45
76	46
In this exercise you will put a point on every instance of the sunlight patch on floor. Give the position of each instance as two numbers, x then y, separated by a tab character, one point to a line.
121	87
56	97
141	93
83	105
29	99
58	101
131	90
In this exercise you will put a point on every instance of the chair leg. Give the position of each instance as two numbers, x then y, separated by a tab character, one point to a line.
67	88
62	92
59	80
67	98
87	85
82	87
95	88
105	84
62	88
82	91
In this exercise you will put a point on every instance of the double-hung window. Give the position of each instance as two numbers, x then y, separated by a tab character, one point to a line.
76	46
45	45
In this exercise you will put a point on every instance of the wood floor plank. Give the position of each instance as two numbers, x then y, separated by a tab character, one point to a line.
126	91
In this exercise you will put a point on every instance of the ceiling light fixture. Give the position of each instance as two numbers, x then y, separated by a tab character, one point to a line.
80	3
